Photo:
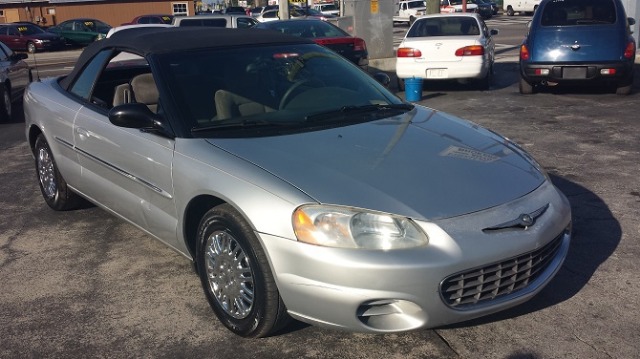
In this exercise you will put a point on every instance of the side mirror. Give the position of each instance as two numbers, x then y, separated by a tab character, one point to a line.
494	32
134	115
382	78
631	21
17	56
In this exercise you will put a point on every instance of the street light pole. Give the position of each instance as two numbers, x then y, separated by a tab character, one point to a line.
433	6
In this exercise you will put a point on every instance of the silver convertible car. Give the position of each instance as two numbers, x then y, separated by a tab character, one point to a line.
298	185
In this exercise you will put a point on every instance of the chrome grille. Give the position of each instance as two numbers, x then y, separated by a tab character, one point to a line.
479	285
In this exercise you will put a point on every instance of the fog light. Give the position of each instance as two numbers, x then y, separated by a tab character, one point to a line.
607	72
542	72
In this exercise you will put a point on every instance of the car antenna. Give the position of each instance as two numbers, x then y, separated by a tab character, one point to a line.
35	64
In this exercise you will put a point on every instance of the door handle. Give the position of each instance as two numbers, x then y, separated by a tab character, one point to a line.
82	133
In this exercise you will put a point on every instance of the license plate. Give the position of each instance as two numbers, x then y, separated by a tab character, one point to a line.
574	73
437	73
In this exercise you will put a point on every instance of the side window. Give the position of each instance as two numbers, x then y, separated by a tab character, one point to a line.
4	52
245	22
144	20
83	85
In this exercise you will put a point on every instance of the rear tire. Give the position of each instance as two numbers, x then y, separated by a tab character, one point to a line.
52	185
624	89
525	87
400	84
236	276
485	82
510	11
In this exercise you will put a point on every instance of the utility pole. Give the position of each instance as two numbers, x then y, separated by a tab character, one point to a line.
283	10
433	6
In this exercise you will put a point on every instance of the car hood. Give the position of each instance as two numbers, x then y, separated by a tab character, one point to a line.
423	164
577	43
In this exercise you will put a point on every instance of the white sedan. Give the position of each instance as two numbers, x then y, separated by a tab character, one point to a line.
447	47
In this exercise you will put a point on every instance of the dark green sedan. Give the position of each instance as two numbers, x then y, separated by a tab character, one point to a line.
81	31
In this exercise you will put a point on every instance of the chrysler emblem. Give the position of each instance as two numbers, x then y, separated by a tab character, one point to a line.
525	220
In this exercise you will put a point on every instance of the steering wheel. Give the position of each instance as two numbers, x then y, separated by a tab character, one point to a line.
286	97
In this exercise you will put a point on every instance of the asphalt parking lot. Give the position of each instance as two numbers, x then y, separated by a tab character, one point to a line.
86	284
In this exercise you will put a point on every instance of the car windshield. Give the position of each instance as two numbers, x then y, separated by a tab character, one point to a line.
415	4
247	91
578	12
444	26
308	29
29	29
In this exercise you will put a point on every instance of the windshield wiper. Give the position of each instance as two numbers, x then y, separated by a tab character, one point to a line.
240	125
355	110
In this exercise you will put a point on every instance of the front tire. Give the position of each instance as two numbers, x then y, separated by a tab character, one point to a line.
5	104
236	276
510	11
31	48
52	185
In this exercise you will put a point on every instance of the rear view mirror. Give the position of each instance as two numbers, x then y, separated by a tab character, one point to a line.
382	78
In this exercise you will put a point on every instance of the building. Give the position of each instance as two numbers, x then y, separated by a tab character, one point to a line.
113	12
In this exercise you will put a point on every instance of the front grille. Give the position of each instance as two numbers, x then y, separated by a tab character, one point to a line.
477	286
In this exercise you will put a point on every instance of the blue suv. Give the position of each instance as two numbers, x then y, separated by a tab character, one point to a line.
578	42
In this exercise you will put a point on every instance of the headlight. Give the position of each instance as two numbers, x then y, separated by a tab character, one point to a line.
346	227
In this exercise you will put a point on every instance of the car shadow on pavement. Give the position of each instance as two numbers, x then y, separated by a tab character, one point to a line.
596	235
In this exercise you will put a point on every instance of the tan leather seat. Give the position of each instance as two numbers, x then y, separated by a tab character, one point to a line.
141	89
145	91
122	95
230	105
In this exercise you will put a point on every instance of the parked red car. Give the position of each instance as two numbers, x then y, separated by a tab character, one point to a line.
29	37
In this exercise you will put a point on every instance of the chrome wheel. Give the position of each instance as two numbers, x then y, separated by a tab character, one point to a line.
46	173
229	274
31	48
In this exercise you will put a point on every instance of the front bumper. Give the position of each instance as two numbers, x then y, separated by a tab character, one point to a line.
377	291
572	73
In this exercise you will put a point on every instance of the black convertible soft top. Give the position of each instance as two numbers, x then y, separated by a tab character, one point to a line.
155	40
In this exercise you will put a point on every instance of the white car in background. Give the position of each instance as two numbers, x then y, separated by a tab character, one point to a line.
447	47
327	9
113	30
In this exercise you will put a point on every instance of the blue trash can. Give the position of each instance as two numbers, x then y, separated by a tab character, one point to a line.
413	89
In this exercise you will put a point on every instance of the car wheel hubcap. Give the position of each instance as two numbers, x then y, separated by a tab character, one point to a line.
229	274
46	173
